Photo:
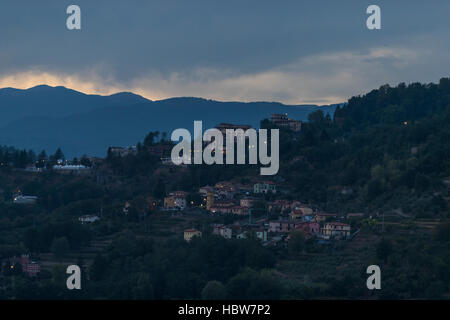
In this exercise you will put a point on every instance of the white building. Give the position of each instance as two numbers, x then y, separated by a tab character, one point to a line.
88	219
223	231
336	230
265	187
69	167
20	199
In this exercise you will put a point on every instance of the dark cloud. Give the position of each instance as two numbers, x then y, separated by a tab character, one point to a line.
202	44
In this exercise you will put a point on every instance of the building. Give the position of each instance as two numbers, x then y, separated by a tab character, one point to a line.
190	233
282	120
224	231
247	202
210	199
225	190
241	235
320	217
281	205
300	212
33	268
224	126
283	226
355	215
205	190
176	200
336	230
122	151
96	161
21	199
88	219
222	207
126	208
240	210
309	227
29	266
264	187
67	168
33	168
261	234
159	150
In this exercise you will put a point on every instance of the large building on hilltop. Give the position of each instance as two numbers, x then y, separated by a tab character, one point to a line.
282	120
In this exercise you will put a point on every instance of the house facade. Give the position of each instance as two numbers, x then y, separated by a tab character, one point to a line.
224	231
264	187
336	230
247	202
283	226
88	219
282	120
176	201
190	233
309	227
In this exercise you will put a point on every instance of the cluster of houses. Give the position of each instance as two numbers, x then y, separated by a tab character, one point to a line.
233	198
224	197
292	216
272	232
26	264
228	198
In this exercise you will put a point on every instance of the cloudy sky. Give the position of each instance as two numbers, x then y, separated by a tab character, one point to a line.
288	51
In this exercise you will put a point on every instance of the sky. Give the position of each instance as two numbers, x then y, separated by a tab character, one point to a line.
295	52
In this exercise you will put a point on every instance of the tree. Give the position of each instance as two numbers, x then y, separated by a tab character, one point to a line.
442	232
160	189
316	117
297	241
85	161
60	247
41	159
151	138
214	290
251	284
98	268
59	155
384	249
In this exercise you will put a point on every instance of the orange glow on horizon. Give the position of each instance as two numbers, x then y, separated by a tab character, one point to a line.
27	80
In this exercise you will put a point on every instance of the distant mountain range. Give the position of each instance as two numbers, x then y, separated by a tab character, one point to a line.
46	117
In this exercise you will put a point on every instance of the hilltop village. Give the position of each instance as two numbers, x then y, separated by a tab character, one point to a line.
256	207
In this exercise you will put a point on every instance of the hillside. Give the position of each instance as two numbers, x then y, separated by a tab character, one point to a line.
392	172
385	150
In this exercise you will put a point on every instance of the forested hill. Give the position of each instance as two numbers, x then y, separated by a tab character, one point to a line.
396	105
388	149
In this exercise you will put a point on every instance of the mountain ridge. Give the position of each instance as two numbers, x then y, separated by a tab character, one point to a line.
89	124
